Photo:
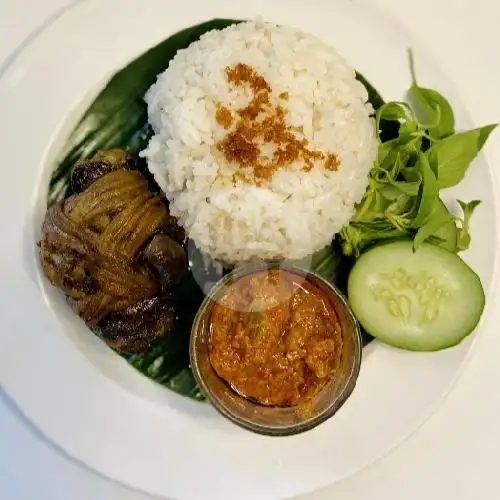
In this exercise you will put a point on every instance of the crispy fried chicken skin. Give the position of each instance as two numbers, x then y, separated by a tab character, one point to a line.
115	251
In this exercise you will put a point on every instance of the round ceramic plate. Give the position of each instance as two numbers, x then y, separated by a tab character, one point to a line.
90	401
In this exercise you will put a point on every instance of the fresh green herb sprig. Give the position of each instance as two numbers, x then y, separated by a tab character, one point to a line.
423	155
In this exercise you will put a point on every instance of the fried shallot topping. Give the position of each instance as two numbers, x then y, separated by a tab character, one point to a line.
260	124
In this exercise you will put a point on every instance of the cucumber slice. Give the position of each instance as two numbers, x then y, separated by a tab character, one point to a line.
422	301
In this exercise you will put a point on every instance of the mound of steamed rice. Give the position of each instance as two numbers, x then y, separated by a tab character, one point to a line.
296	212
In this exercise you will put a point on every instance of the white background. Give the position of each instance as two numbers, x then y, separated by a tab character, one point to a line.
455	455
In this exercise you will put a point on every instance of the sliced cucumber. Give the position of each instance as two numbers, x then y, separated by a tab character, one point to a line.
422	301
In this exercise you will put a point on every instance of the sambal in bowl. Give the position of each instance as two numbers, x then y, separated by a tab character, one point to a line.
275	348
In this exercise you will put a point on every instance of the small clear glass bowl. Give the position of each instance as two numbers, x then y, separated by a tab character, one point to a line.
269	420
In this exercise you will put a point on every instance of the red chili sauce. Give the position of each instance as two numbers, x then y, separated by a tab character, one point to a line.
275	338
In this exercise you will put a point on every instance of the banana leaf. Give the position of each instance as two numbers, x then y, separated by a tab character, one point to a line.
117	118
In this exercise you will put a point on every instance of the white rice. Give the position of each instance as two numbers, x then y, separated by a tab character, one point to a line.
296	212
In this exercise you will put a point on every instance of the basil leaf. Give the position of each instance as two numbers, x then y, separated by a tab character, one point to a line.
484	133
440	229
409	129
464	238
399	113
408	188
434	111
395	111
413	149
428	193
388	130
351	240
380	204
446	120
359	235
429	229
400	205
394	161
384	149
447	235
372	206
433	108
365	205
410	174
406	148
390	192
451	157
377	231
376	184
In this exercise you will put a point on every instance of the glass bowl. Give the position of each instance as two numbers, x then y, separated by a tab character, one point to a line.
272	420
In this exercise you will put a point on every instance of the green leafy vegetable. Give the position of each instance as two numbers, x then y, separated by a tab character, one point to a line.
452	156
446	234
432	228
428	195
433	108
394	110
463	234
419	154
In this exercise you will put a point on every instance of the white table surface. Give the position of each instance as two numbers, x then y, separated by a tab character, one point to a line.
455	455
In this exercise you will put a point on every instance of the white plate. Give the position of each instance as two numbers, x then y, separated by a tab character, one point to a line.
85	398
